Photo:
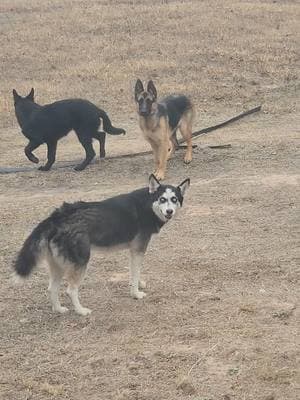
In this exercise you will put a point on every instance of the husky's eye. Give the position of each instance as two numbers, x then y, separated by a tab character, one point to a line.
162	200
174	199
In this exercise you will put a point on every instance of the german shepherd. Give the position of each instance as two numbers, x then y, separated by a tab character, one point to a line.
49	123
66	237
159	122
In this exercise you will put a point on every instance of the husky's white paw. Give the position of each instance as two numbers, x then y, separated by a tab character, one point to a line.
138	294
60	309
142	285
83	311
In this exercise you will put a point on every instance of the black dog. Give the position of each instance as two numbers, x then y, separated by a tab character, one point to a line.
49	123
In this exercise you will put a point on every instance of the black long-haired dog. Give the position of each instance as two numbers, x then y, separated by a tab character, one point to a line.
49	123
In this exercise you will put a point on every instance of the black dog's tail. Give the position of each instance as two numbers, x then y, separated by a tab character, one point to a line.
107	126
31	251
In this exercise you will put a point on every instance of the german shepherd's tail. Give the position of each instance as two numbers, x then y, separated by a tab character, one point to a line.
107	126
32	250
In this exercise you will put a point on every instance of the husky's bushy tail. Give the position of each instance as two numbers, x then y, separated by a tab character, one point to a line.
31	250
107	126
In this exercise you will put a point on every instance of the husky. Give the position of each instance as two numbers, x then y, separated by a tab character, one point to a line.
159	122
66	237
49	123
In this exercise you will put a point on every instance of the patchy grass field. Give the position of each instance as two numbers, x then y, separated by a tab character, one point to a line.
221	318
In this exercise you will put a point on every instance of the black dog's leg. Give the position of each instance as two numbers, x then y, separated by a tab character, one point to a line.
28	151
89	151
51	153
101	137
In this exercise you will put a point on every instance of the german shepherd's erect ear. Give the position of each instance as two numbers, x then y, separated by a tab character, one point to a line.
139	88
152	90
30	96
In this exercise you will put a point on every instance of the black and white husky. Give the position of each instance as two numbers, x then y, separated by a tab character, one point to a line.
66	237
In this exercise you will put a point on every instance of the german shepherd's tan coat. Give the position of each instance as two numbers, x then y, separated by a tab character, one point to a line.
159	122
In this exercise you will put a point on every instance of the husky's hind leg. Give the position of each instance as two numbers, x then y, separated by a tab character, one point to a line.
74	276
56	274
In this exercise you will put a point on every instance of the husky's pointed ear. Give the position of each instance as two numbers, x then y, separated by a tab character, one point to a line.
184	186
153	184
16	96
139	88
152	89
30	96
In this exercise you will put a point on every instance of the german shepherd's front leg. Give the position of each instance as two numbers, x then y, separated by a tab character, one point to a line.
51	153
163	146
28	151
162	155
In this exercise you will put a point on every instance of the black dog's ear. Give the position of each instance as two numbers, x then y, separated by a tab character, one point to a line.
30	96
139	88
16	96
153	184
152	89
183	186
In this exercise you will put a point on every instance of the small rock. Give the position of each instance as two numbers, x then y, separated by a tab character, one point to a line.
270	397
186	386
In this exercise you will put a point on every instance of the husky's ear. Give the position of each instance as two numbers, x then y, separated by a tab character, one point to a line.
184	186
30	96
139	88
16	95
153	184
152	89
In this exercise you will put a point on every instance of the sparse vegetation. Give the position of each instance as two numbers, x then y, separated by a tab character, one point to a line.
236	240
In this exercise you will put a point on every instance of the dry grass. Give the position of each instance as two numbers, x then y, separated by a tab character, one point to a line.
223	53
220	321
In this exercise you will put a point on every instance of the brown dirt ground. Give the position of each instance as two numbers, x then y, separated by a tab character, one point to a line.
221	316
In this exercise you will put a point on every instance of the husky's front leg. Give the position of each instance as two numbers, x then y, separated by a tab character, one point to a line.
135	270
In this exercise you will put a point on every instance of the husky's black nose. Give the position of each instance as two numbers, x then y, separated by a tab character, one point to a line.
169	213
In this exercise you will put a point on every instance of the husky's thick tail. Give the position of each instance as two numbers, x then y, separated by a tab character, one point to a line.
107	126
31	251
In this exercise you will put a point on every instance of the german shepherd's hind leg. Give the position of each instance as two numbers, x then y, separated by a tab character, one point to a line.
100	136
185	128
51	153
56	273
172	146
75	275
29	149
86	142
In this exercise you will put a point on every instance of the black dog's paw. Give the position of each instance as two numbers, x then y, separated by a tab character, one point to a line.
79	167
34	159
44	168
